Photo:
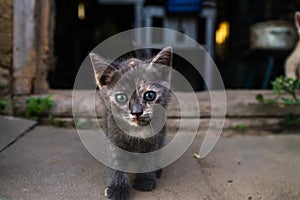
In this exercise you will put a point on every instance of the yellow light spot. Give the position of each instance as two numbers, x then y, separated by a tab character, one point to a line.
222	33
281	105
81	11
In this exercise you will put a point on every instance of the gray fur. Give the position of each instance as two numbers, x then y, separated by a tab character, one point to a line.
138	76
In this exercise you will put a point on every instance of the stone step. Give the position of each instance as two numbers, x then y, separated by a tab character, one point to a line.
240	103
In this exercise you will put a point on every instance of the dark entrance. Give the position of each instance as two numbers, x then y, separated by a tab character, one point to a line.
79	26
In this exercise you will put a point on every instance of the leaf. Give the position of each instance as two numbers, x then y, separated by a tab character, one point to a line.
260	98
241	127
290	119
37	106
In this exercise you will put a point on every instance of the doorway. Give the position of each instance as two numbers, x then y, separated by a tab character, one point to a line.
80	26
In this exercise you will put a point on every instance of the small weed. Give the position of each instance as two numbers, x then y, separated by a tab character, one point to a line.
36	107
83	124
3	104
283	86
240	127
57	123
2	86
288	87
290	120
260	99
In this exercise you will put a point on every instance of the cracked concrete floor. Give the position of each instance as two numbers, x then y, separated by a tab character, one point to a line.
51	163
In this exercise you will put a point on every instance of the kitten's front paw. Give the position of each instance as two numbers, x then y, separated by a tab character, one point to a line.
117	192
144	184
158	173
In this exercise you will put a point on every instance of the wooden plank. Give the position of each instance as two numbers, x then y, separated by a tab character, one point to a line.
239	104
238	124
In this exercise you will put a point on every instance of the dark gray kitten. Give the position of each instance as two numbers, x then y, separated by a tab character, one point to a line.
132	91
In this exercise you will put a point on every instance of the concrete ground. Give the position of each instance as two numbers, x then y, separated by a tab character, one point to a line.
51	163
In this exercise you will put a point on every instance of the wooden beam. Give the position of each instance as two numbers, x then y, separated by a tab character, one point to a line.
32	51
24	53
240	104
44	32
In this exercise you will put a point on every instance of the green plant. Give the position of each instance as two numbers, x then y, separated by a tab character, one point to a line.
290	120
240	127
84	123
261	99
56	122
286	91
287	85
2	86
3	104
37	106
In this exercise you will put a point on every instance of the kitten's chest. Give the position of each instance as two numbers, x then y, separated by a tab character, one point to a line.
129	143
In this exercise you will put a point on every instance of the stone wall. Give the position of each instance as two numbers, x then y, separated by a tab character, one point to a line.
6	32
26	28
32	43
243	110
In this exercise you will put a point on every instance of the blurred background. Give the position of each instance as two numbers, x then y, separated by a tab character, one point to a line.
249	40
82	24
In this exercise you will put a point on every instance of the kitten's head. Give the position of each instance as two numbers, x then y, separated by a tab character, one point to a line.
132	88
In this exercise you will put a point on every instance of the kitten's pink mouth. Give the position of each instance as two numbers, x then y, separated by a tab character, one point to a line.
140	121
135	120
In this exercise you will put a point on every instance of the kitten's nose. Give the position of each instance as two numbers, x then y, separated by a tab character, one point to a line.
135	106
137	111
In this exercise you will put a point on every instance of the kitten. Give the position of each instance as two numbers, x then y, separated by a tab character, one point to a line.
130	90
292	65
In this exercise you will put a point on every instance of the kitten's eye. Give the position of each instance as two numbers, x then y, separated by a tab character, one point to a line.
150	96
121	98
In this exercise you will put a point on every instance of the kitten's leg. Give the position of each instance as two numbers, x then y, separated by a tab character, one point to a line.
118	185
145	181
160	142
158	173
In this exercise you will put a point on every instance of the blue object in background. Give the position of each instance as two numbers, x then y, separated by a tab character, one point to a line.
184	6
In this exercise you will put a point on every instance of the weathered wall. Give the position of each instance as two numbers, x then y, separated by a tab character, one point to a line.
6	32
33	25
243	110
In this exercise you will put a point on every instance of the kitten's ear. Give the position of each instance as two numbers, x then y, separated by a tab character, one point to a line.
162	63
164	57
103	70
297	19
